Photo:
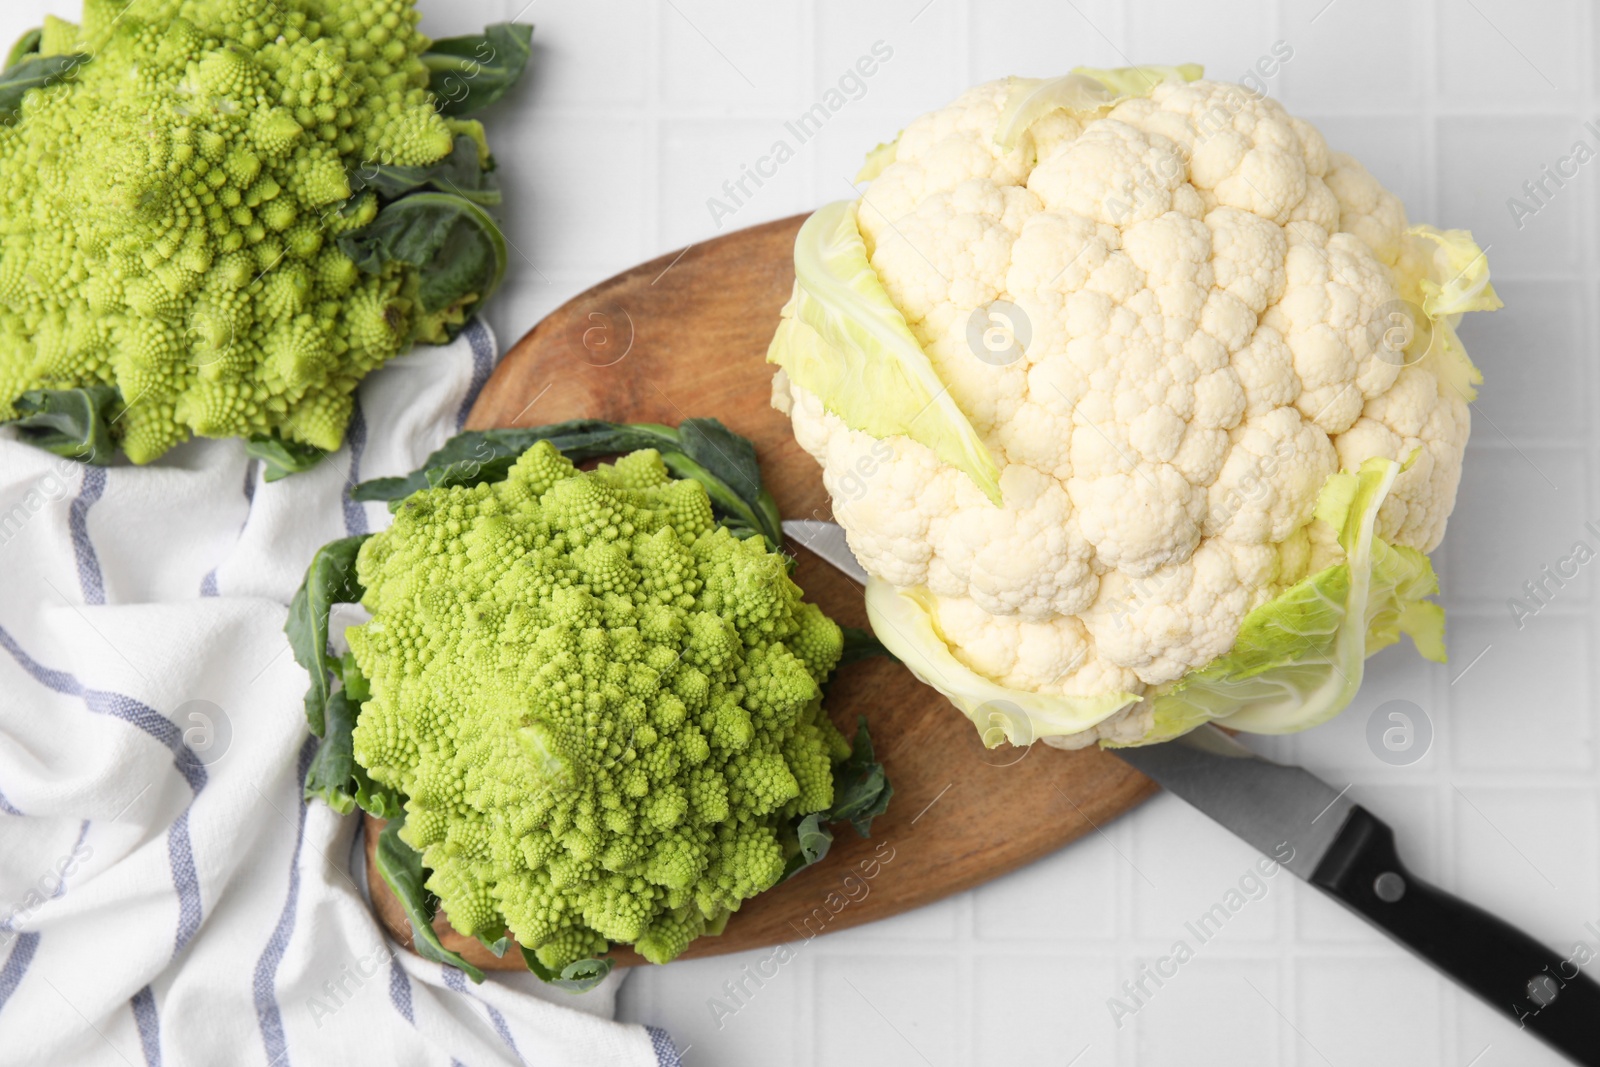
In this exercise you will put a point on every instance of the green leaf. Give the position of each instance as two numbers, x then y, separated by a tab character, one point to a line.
330	776
731	459
75	423
499	946
33	72
580	976
26	45
862	644
400	865
282	458
334	775
842	338
813	840
456	247
861	788
331	579
480	456
701	449
467	74
458	173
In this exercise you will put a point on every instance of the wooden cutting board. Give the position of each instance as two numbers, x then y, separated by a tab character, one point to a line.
686	335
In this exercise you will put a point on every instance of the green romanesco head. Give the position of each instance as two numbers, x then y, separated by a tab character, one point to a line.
169	214
603	708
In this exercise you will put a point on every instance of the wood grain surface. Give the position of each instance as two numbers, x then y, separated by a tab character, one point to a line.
686	335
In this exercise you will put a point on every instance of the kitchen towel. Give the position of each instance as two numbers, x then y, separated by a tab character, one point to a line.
166	897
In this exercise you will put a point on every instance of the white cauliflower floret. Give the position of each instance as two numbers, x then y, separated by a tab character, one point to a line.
1205	288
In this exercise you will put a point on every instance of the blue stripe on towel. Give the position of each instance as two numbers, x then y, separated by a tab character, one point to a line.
144	1014
268	1014
457	980
89	577
22	951
400	991
355	512
483	360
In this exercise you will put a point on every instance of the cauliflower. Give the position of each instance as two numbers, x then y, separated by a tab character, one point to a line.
1145	373
170	214
603	708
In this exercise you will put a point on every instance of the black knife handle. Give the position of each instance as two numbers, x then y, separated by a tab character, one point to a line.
1541	991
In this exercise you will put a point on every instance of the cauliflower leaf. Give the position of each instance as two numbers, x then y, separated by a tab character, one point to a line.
842	338
1300	657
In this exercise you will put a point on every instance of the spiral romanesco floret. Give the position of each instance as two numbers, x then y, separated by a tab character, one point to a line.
603	708
168	214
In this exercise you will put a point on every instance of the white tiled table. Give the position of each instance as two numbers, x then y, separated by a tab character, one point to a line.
637	113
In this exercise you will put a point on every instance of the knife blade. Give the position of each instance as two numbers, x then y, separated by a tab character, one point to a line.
1341	848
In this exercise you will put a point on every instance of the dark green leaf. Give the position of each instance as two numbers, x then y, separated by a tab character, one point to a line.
862	644
467	74
400	865
75	423
861	788
458	250
282	458
732	460
334	775
33	72
330	775
812	844
480	456
580	976
457	173
330	580
26	45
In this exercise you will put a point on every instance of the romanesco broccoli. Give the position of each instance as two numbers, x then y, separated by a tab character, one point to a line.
169	213
603	708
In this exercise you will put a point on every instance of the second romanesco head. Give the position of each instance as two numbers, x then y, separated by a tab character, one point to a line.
604	709
169	214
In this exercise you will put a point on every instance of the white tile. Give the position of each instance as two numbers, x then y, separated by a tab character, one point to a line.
1229	48
721	175
910	47
1484	162
1501	52
1071	894
1350	55
1534	361
457	18
1191	874
1035	40
1016	994
1516	511
1495	1038
1391	147
1529	856
588	54
555	223
724	1006
888	1010
719	51
1395	997
840	148
1227	1008
1536	678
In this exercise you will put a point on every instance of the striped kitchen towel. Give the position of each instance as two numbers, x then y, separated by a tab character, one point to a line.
165	895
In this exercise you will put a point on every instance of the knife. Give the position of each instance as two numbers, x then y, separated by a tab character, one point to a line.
1341	848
